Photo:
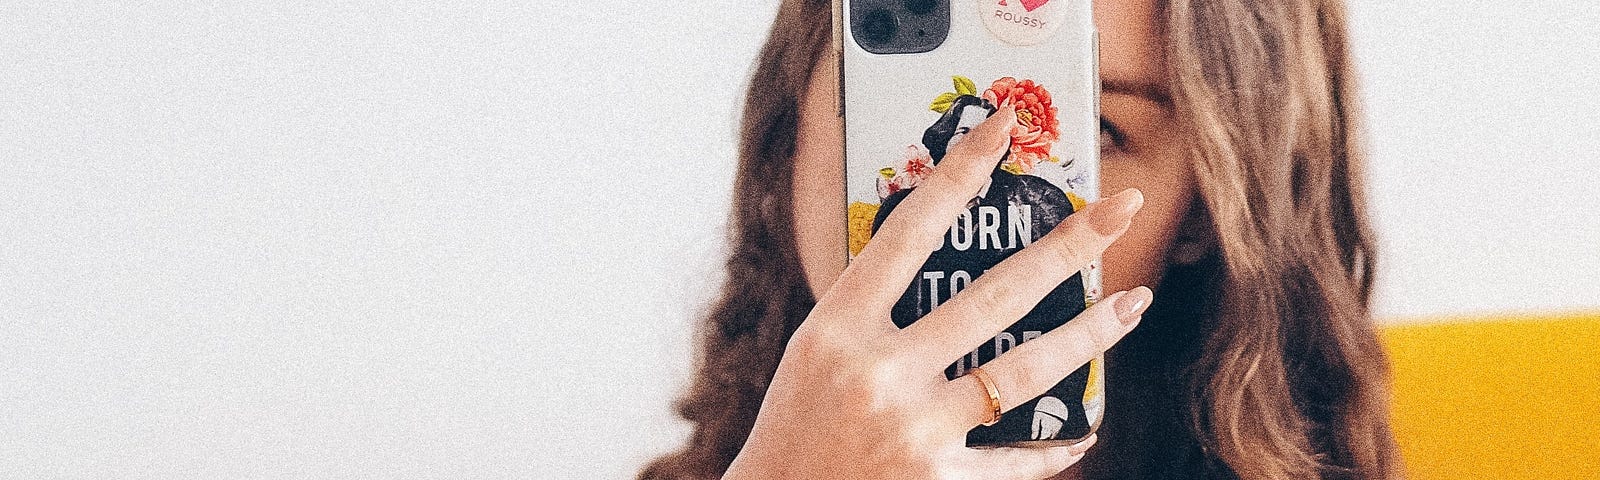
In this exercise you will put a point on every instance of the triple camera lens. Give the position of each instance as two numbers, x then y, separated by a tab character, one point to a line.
899	26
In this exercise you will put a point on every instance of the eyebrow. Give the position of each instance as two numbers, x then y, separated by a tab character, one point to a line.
1146	90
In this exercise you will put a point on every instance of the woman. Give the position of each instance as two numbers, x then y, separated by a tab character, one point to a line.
1232	122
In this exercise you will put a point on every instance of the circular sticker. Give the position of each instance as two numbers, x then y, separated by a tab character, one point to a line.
1022	22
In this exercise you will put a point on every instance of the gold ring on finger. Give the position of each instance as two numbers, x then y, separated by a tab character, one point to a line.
994	394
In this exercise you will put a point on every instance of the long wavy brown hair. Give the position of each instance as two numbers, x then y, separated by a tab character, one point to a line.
1260	361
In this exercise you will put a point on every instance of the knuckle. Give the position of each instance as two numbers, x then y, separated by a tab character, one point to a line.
952	178
1009	380
816	343
900	235
1103	335
804	345
1078	226
983	141
883	372
909	243
876	381
1063	254
857	388
987	305
1033	377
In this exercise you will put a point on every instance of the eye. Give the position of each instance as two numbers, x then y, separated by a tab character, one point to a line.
1111	136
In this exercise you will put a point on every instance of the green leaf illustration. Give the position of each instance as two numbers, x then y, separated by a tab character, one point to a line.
943	102
964	86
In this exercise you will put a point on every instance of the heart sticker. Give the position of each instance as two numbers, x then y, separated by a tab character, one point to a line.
1023	22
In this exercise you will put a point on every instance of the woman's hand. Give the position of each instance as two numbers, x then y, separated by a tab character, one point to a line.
857	398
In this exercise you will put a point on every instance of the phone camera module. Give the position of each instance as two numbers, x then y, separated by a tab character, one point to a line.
887	27
921	7
879	26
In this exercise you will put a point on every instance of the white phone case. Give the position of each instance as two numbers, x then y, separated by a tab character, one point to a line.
901	111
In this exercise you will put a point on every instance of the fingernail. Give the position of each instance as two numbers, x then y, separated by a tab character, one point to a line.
1113	214
1083	446
1131	304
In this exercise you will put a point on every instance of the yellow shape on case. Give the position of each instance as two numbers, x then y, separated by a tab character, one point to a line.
1096	387
1077	202
860	225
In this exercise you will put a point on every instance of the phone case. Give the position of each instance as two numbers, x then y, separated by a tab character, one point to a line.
902	111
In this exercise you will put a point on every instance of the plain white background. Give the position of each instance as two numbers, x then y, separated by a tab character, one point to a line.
410	239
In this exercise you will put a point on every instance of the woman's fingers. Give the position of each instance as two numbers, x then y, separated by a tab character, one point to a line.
1020	463
877	277
1031	368
1014	287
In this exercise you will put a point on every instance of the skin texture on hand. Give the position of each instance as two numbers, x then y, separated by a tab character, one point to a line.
1139	154
857	397
1136	152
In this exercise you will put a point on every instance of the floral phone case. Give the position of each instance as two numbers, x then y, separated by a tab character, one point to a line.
901	113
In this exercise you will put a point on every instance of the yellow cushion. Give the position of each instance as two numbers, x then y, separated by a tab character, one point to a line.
1502	398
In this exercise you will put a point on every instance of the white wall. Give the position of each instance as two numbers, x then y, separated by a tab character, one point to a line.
1484	129
398	239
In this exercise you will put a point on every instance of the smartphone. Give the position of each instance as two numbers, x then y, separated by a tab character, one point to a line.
915	76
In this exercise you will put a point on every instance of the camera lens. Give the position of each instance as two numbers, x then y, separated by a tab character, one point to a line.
879	26
921	7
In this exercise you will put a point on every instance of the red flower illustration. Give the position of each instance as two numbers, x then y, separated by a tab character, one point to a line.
1037	128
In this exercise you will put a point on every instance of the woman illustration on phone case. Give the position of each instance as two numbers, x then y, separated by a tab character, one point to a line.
1011	211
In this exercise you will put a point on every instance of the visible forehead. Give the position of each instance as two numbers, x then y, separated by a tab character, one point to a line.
1130	43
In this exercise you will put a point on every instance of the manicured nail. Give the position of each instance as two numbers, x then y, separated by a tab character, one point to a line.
1083	446
1131	304
1113	214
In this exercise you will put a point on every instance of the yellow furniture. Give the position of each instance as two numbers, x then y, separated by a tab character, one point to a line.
1502	398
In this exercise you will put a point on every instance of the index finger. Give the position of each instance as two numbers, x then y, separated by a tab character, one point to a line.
879	275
